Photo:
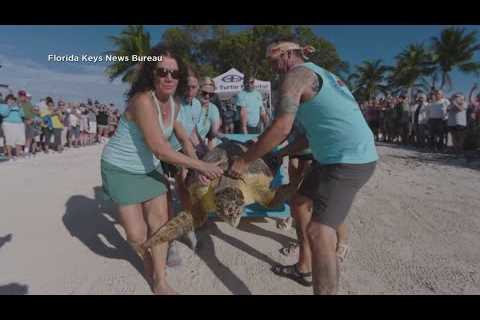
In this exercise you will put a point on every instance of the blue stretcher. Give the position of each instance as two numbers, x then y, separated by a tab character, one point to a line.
255	210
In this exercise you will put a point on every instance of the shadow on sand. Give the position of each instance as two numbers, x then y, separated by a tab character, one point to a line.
5	239
14	289
206	251
90	220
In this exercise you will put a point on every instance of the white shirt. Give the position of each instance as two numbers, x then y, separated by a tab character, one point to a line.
457	118
423	113
73	119
438	109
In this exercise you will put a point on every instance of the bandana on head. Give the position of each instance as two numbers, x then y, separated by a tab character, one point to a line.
276	49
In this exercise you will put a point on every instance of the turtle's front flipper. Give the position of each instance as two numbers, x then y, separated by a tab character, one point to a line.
183	223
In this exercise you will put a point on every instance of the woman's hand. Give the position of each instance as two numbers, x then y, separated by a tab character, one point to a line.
209	171
203	180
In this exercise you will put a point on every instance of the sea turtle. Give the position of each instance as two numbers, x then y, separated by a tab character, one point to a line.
225	196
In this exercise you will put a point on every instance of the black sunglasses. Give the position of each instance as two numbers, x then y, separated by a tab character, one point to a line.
208	94
162	73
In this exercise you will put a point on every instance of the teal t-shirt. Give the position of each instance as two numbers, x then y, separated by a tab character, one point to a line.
207	118
188	116
13	114
253	102
335	127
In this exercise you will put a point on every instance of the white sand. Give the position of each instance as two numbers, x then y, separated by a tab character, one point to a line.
414	229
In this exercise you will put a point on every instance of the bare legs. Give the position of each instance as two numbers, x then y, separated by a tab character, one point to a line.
325	264
318	246
139	221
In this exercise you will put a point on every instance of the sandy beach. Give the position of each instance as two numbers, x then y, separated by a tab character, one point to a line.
414	229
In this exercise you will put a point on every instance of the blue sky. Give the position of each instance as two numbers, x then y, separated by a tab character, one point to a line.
24	51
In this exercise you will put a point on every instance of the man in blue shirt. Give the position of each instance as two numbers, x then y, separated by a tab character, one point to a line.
344	155
250	102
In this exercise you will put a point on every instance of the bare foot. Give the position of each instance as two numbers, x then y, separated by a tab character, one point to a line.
163	289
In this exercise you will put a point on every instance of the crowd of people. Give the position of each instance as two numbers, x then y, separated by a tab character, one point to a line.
27	129
425	122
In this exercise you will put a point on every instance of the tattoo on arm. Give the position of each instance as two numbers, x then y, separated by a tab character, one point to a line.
316	85
296	82
287	105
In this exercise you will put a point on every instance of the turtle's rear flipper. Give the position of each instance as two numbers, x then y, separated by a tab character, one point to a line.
283	194
183	223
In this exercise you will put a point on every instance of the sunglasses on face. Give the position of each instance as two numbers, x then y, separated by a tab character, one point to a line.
162	73
208	94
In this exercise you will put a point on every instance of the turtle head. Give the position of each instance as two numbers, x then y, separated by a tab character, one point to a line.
230	203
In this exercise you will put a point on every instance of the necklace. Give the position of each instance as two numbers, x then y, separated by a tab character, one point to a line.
162	107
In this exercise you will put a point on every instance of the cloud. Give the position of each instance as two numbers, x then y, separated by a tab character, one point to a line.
42	81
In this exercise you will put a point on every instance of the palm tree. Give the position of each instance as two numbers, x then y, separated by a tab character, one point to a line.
372	76
131	41
412	67
455	49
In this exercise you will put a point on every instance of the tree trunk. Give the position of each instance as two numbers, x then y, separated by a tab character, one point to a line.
434	81
444	78
410	94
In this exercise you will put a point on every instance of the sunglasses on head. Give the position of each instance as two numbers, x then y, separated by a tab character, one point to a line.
208	94
162	73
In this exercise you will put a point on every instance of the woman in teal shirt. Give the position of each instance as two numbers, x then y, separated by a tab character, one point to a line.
130	164
208	121
13	126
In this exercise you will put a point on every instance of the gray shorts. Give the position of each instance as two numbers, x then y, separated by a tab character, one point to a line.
332	188
57	133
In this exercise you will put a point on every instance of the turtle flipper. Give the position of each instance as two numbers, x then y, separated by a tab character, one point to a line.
183	223
285	192
264	196
281	195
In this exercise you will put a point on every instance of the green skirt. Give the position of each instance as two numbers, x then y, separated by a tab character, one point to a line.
126	188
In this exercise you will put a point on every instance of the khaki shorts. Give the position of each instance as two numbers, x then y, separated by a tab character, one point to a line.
14	133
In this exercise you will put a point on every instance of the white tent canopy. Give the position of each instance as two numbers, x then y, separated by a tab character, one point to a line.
231	82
